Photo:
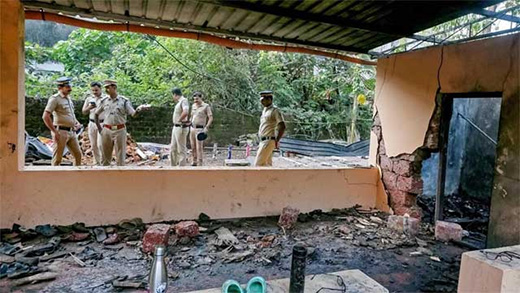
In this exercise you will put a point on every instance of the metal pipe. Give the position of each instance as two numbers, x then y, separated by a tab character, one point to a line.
477	128
297	282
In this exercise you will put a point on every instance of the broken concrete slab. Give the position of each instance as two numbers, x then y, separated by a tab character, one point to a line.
489	271
236	163
405	224
157	234
344	281
446	231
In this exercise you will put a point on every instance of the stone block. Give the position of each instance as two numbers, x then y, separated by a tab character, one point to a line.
157	234
410	184
480	272
288	217
404	224
386	163
402	198
186	228
403	167
390	180
446	231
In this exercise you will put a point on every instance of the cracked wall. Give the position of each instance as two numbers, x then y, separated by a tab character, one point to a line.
406	127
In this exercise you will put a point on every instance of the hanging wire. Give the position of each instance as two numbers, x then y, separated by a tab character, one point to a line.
154	39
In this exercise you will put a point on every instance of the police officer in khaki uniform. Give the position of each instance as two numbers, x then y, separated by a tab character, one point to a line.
63	124
271	120
201	119
180	129
92	101
113	132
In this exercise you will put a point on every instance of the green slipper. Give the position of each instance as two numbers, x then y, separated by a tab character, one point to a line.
231	286
256	285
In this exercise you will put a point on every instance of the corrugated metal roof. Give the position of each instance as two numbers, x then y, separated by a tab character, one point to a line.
343	26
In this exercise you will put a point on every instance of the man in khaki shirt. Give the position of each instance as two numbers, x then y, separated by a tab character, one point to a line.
271	120
201	119
63	124
180	129
113	132
92	101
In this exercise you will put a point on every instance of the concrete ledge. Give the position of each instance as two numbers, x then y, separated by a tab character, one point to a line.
481	273
103	197
354	280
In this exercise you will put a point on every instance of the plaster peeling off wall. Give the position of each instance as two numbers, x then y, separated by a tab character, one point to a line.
405	98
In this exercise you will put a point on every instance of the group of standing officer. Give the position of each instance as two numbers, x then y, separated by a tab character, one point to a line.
107	125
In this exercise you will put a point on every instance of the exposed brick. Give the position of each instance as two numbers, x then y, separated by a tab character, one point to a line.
446	231
186	228
390	180
402	198
410	184
288	217
382	148
407	225
403	168
386	163
414	211
377	131
157	234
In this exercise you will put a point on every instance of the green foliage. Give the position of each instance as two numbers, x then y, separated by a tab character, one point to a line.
316	94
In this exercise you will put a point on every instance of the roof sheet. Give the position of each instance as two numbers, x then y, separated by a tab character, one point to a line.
343	26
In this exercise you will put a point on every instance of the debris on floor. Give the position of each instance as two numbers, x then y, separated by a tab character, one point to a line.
204	253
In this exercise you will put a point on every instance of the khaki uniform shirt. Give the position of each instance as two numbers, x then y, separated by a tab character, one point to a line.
115	109
181	105
92	98
200	114
271	116
62	110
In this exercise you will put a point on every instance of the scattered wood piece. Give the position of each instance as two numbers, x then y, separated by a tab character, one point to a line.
225	237
48	276
77	260
127	284
54	255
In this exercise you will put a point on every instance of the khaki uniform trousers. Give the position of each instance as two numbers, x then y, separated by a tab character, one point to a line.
197	146
95	142
109	138
69	139
264	155
178	151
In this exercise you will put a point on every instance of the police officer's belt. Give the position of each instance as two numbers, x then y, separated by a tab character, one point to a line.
114	127
198	126
181	125
63	128
92	120
267	138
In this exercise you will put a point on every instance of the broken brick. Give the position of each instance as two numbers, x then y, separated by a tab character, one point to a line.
386	163
403	168
446	231
410	184
157	234
390	180
404	224
288	217
186	228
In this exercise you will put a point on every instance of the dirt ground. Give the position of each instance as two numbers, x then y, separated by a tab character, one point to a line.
341	240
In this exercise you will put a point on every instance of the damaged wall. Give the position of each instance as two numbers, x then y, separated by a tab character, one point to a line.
99	197
406	88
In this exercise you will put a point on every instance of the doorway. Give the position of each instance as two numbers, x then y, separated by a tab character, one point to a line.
466	162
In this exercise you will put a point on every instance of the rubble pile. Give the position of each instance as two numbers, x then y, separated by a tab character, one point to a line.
205	251
134	154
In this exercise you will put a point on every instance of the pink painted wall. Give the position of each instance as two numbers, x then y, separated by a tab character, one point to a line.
66	195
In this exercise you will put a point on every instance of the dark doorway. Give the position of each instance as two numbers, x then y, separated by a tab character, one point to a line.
466	162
